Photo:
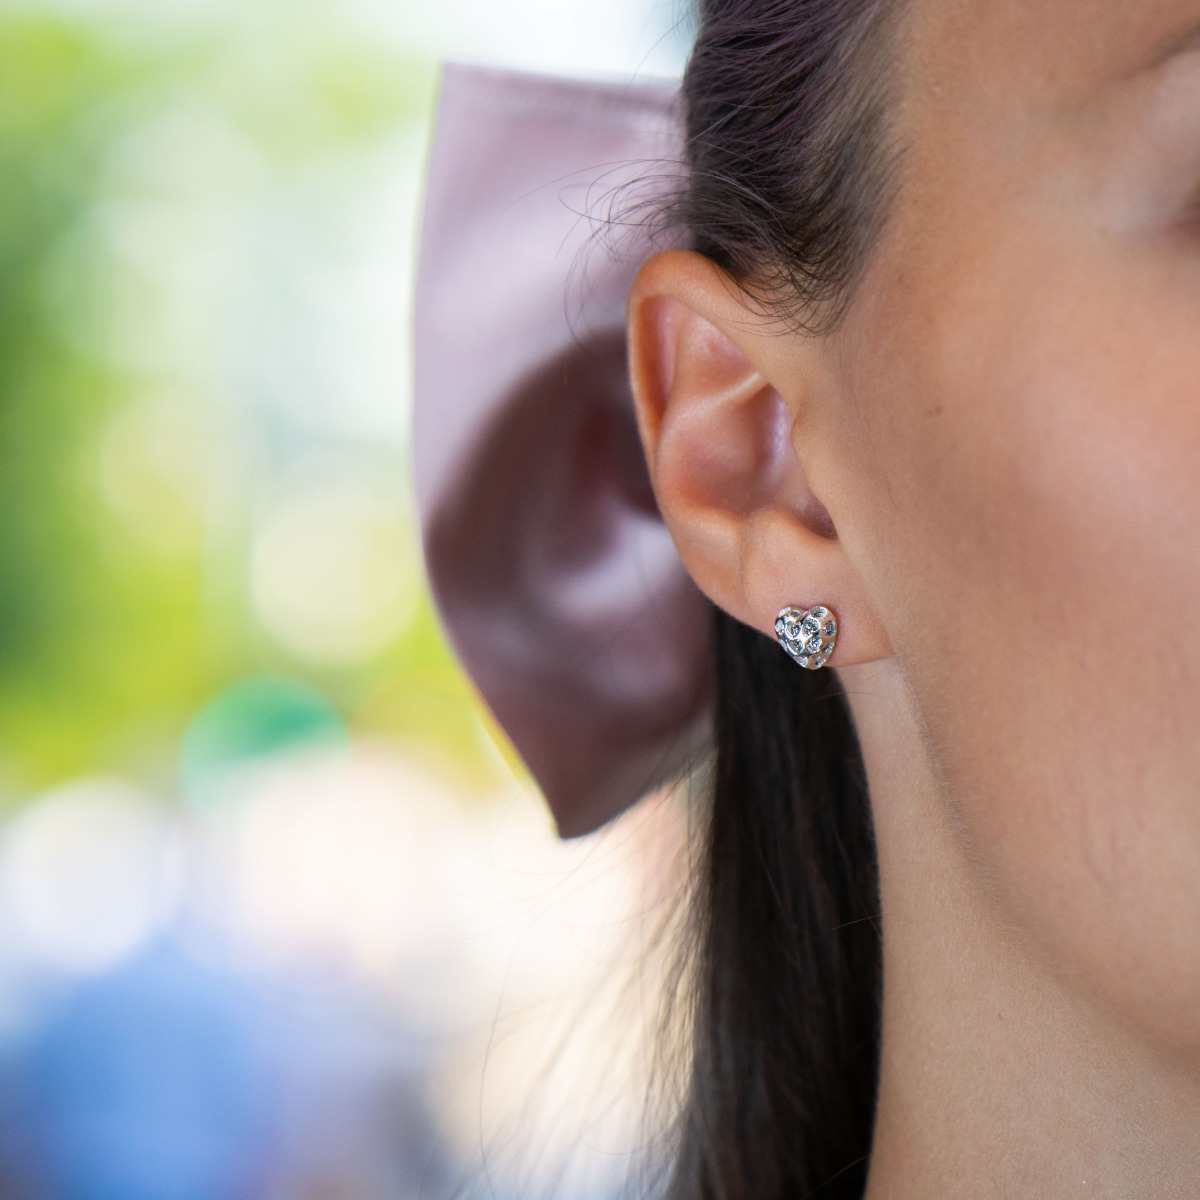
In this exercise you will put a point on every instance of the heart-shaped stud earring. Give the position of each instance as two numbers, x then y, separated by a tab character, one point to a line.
808	635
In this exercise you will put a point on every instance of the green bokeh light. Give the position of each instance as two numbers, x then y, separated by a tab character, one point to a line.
254	718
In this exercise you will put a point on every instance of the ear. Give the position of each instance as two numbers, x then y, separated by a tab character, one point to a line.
727	450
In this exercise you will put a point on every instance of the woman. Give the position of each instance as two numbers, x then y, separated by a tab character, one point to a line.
929	358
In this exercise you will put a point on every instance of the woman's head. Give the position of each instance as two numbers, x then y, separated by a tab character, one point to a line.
937	369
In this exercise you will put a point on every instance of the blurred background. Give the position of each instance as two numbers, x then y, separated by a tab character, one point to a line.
280	915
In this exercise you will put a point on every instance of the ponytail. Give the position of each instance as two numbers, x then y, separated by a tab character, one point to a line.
785	1024
790	173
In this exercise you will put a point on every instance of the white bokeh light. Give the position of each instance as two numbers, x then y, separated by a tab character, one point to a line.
89	872
331	571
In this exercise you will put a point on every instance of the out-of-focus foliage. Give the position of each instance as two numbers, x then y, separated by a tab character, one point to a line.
155	177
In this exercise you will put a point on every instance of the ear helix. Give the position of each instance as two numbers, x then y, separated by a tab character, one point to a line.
808	635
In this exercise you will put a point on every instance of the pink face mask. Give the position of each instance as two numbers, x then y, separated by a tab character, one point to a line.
555	578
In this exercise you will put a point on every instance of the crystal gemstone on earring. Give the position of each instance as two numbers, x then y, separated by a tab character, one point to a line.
808	635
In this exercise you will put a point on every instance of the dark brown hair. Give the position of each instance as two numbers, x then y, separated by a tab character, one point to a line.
790	173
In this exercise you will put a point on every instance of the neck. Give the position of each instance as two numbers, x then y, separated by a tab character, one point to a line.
997	1079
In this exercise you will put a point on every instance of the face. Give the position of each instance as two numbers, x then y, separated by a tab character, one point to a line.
1017	444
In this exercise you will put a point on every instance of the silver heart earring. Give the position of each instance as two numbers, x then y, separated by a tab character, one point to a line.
807	634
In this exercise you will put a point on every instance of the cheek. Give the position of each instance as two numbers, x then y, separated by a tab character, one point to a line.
1033	473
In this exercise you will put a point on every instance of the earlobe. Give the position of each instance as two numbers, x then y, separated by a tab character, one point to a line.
720	443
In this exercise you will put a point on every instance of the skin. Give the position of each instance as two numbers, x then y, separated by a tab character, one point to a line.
991	472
